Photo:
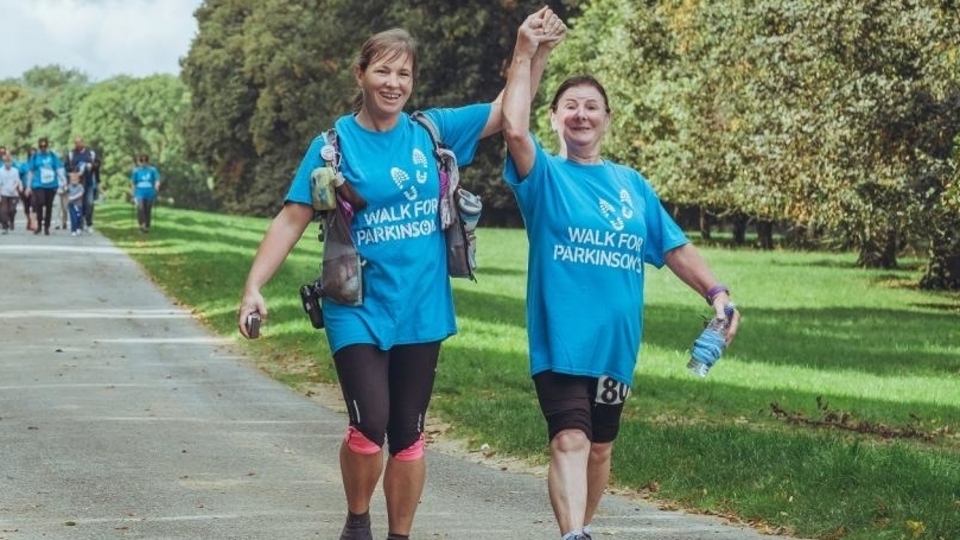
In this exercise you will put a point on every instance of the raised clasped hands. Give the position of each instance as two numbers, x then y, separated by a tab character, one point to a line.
541	29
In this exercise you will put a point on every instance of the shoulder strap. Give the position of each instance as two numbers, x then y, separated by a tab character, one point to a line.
448	168
446	159
431	128
332	155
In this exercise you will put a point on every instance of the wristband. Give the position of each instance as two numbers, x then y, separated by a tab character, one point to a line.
714	291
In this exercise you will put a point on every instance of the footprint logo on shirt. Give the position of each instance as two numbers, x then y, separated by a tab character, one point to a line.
626	204
402	178
422	165
616	215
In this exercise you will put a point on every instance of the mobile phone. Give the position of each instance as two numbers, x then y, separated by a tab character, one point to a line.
253	325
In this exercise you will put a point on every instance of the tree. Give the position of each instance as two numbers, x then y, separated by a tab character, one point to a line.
217	130
53	77
41	104
18	108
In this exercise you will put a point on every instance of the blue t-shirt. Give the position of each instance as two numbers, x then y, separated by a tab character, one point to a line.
47	169
144	180
591	230
406	292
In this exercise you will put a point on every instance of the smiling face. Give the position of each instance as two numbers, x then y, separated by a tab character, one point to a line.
580	117
386	84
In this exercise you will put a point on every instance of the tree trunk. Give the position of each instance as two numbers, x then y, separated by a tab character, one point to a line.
705	224
880	252
740	230
765	234
943	269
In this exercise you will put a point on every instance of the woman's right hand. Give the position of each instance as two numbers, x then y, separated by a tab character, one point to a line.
251	302
284	232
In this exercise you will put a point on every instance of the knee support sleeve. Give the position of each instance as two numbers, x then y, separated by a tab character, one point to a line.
359	443
410	453
570	419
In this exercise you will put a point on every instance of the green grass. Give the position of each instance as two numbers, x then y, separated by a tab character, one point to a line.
862	352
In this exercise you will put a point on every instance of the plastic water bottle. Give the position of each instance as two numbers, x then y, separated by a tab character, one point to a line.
709	346
469	206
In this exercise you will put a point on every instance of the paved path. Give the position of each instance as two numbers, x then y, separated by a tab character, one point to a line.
123	417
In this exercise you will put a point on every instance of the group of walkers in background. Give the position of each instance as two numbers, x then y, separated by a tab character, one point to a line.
54	190
62	190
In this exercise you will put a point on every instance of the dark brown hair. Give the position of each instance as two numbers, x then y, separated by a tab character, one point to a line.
579	80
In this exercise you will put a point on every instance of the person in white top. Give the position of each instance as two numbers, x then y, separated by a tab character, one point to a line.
10	188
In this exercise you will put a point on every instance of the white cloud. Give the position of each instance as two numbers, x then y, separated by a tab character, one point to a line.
100	38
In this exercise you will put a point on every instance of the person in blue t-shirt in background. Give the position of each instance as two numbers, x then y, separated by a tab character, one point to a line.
386	349
145	183
45	175
593	225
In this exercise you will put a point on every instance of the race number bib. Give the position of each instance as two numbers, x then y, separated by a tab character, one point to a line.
611	391
46	176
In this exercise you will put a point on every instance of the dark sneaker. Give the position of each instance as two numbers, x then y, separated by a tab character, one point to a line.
357	528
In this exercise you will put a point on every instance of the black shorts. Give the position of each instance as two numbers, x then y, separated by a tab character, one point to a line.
589	404
387	392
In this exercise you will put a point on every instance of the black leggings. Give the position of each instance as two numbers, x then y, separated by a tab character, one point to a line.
89	196
387	392
8	211
144	212
43	206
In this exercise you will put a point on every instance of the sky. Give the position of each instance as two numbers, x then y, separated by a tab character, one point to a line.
100	38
